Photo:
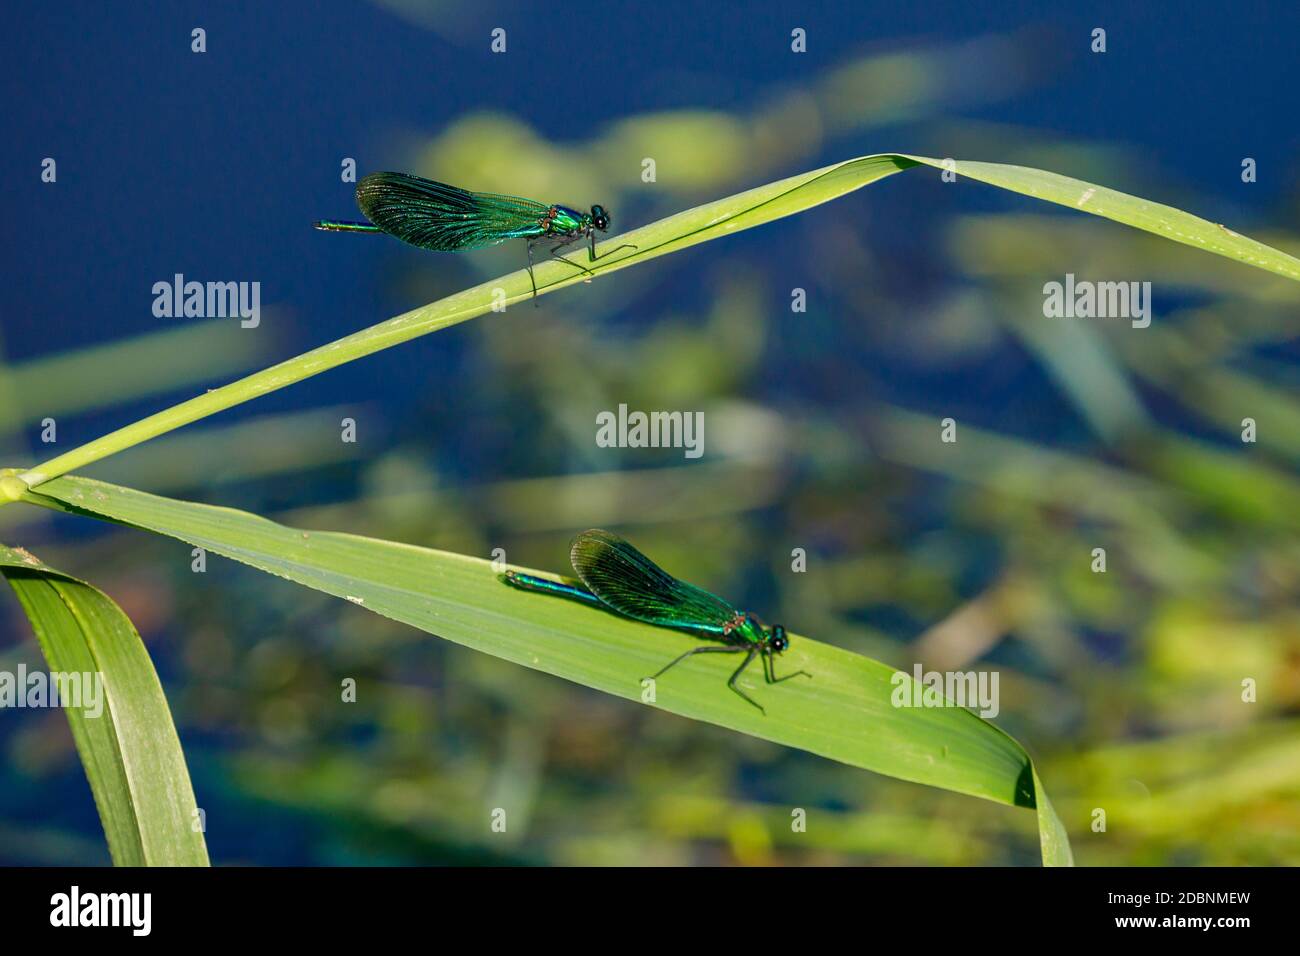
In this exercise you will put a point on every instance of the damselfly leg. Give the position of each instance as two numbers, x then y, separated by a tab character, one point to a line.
553	253
732	682
769	671
591	252
749	653
704	649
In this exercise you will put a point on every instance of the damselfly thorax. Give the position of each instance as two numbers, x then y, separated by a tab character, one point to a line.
563	221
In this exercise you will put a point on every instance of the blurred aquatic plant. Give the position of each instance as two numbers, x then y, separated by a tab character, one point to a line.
696	151
948	748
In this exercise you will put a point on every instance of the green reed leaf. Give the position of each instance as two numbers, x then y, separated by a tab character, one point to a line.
672	234
128	745
844	712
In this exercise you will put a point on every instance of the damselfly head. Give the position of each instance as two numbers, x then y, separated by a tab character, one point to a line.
777	640
600	218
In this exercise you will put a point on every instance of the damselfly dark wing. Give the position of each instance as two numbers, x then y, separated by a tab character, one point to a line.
632	584
445	218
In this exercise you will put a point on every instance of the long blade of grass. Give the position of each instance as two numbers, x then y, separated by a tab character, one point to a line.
129	749
674	233
845	712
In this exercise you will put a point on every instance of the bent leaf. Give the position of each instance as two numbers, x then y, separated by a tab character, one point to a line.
844	712
710	221
129	748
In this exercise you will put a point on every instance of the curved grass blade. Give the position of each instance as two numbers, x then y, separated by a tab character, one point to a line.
129	750
844	714
710	221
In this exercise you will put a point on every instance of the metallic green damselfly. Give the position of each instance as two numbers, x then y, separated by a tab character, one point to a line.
617	577
446	218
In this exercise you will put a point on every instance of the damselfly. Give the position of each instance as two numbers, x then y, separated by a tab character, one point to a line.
445	218
617	577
